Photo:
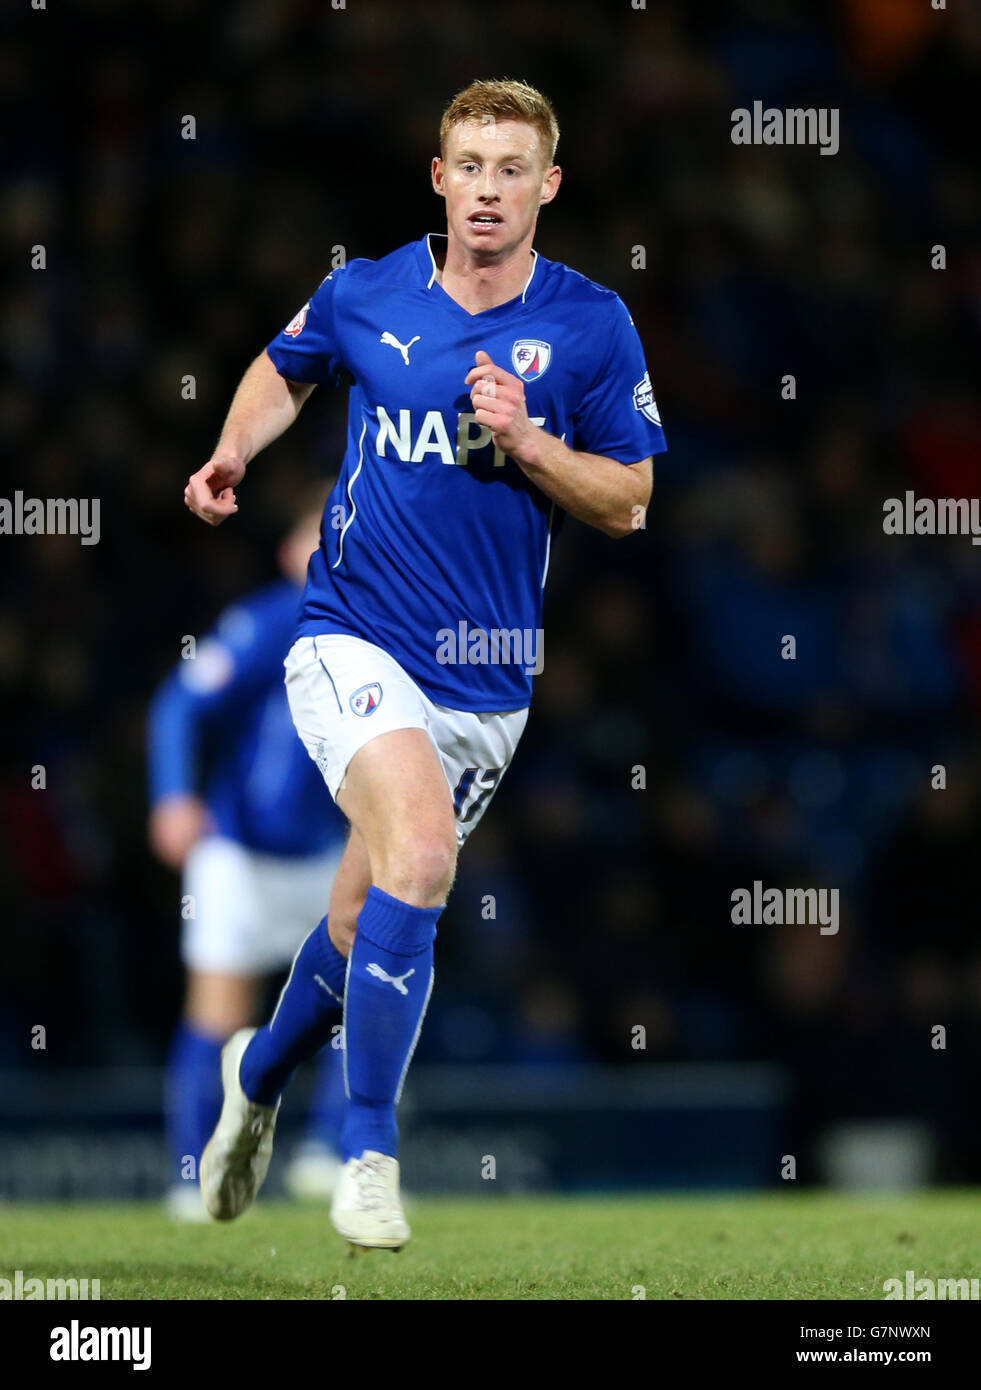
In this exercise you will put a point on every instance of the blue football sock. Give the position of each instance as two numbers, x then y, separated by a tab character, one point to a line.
335	966
192	1096
328	1105
389	979
307	1009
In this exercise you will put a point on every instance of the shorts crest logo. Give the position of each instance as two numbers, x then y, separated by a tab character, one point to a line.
295	326
530	358
644	399
366	700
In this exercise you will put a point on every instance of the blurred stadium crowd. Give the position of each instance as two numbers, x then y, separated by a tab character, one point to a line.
168	257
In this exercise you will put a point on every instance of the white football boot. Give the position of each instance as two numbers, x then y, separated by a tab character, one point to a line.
236	1158
366	1209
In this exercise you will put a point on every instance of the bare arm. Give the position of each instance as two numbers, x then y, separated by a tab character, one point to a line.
264	405
603	492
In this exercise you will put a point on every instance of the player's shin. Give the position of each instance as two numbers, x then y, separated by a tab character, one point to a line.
389	981
193	1097
302	1022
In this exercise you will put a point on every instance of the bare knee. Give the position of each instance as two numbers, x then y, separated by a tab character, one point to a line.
420	869
420	873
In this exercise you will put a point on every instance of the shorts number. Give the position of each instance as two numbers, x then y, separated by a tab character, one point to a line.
486	781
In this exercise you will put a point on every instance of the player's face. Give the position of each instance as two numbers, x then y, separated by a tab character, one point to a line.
494	178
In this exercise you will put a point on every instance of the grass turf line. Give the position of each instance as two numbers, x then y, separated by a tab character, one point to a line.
770	1246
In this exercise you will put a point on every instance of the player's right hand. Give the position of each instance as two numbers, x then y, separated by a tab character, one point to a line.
210	491
176	825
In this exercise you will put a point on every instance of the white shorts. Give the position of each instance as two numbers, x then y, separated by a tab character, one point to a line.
344	692
252	911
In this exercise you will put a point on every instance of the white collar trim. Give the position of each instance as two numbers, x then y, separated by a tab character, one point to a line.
432	259
531	276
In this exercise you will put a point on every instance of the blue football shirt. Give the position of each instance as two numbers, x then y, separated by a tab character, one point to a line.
431	532
222	721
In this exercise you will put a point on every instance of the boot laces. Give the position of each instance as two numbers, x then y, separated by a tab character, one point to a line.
372	1188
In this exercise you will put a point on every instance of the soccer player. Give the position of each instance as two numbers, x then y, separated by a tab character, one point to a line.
492	391
258	848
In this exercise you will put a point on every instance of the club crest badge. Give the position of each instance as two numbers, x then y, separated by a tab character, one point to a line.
295	325
366	700
530	358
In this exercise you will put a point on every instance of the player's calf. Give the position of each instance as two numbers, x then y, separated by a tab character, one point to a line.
389	980
302	1021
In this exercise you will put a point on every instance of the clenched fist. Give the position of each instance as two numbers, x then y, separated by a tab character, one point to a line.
499	403
210	492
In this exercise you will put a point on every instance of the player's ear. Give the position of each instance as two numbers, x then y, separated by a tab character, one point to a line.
550	183
436	174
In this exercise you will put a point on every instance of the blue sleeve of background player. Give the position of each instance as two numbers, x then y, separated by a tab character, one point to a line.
172	742
307	349
618	416
242	656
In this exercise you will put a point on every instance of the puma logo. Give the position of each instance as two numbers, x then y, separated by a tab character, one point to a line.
403	348
395	980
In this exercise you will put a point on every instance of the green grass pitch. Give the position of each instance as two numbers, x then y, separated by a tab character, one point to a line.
772	1246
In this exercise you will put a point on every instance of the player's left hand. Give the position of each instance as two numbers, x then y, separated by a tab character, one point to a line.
499	403
176	824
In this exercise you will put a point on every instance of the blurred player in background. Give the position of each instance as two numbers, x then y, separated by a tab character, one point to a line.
257	848
494	390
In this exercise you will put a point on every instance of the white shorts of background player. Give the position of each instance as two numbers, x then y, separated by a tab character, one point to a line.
252	911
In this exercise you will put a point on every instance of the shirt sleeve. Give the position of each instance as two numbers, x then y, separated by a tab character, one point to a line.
307	349
618	415
230	665
172	737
